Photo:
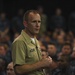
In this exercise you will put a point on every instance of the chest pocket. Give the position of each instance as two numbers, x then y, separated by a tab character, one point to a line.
32	54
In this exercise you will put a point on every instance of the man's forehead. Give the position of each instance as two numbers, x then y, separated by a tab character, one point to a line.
34	16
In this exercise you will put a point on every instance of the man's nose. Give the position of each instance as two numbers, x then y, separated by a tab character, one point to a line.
37	24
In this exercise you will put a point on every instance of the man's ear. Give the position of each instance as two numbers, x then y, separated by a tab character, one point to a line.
25	23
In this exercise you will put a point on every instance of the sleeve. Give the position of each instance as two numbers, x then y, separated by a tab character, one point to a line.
18	52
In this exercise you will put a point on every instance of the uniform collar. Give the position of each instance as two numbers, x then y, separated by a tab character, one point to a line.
27	37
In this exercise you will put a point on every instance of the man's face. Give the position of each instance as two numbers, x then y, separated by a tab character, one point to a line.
66	50
51	49
2	50
10	69
33	23
44	54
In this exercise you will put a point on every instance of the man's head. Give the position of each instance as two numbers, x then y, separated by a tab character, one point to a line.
60	39
66	49
3	49
10	69
32	22
44	54
58	11
51	49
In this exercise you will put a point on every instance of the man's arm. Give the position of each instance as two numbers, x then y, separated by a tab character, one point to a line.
22	69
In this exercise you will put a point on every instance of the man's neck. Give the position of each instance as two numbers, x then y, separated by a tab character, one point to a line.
29	33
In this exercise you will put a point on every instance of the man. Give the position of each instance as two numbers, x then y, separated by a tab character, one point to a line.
26	53
10	69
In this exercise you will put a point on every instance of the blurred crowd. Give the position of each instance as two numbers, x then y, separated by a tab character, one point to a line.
56	39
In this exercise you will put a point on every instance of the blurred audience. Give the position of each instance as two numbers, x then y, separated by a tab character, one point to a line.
57	20
71	22
4	24
57	43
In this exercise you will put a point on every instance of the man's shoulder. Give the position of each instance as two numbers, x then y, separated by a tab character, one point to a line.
19	38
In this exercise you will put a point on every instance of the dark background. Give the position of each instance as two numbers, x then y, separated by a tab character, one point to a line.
11	6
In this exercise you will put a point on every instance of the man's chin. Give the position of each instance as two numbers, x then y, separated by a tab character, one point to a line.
37	32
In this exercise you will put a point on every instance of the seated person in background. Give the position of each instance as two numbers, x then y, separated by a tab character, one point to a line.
64	58
5	58
44	54
52	52
2	66
10	69
51	48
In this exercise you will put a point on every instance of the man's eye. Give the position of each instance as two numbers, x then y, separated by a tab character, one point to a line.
36	21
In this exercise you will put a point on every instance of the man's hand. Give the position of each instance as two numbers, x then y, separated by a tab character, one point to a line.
46	62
